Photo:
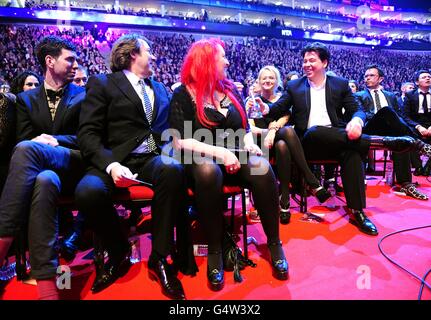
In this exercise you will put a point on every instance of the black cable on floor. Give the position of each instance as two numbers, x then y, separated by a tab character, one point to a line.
422	280
422	284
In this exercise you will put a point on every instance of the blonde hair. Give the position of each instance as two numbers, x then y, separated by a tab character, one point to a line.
278	83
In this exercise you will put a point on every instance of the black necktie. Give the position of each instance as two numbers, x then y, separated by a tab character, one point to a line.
425	102
378	103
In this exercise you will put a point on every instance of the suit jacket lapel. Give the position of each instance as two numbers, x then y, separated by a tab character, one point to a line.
307	97
330	108
370	101
156	100
388	98
42	103
62	107
416	100
126	87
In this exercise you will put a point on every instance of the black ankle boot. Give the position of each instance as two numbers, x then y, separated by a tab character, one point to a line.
215	273
285	213
280	267
321	194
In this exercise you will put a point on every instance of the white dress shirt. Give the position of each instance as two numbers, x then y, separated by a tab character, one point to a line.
382	98
134	81
421	100
318	113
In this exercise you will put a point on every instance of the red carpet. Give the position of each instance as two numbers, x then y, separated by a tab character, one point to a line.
327	260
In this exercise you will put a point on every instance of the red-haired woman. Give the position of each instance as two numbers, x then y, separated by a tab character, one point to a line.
208	114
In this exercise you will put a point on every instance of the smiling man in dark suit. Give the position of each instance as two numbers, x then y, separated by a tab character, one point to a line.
123	117
45	162
385	118
329	119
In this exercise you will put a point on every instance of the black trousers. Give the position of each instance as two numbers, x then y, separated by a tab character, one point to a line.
323	143
93	196
38	174
386	122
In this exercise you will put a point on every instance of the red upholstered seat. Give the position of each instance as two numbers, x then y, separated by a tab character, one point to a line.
226	190
133	193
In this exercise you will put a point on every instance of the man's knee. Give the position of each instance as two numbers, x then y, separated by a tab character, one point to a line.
25	148
173	172
90	192
46	180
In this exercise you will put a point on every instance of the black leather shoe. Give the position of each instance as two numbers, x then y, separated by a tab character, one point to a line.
69	247
111	272
161	272
215	279
419	172
399	144
361	221
322	195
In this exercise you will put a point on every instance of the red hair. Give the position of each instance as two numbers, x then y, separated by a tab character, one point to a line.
199	72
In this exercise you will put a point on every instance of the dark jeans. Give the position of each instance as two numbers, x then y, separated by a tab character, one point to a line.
38	174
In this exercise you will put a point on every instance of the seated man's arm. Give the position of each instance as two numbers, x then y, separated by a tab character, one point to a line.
92	125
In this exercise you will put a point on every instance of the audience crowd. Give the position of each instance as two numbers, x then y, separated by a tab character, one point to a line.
247	55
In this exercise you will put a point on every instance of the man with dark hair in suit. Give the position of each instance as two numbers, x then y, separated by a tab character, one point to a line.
329	119
405	87
415	158
45	162
122	119
417	107
384	118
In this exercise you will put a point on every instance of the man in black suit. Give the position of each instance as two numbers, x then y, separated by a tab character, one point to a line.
405	87
329	119
417	107
123	117
45	162
384	118
415	158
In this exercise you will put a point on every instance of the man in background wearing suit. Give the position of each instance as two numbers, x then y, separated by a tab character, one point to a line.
45	162
405	87
122	119
417	107
384	118
329	119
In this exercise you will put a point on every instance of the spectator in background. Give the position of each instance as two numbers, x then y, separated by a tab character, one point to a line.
81	76
26	80
292	75
405	87
354	86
